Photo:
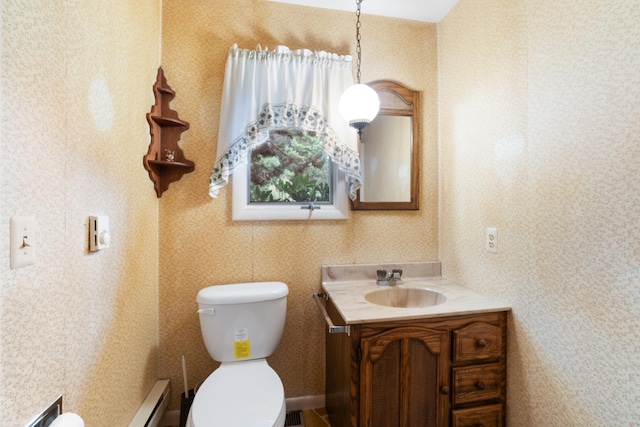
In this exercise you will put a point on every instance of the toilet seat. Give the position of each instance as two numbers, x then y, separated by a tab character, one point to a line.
240	394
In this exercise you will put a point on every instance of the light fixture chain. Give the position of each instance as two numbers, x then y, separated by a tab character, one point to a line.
359	104
358	47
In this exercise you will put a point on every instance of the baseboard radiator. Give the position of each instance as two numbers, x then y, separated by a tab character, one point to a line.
153	407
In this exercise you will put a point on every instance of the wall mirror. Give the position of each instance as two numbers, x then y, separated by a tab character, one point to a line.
390	151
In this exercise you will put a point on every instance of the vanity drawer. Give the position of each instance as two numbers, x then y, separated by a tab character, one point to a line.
481	416
476	383
477	341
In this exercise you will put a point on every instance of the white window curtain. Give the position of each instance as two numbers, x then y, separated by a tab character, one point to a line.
269	90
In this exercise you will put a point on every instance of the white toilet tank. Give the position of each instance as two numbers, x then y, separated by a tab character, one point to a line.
242	321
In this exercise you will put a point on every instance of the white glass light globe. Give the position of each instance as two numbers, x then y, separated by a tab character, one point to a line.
358	105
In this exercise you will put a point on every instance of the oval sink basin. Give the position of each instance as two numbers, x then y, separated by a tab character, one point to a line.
405	297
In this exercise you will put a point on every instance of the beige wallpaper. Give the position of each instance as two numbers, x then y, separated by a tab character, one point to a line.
76	85
200	245
540	117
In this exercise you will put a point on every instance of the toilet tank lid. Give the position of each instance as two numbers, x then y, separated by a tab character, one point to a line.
240	293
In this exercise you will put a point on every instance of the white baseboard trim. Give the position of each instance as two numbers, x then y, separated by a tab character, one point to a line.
172	418
305	402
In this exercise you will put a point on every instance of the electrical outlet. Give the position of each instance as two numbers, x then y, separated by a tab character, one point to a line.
491	240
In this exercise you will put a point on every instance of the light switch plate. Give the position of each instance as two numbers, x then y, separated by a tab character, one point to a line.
23	241
99	237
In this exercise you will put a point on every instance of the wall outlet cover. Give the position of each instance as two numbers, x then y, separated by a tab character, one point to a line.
491	240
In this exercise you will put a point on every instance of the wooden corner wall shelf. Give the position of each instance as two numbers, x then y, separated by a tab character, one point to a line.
165	160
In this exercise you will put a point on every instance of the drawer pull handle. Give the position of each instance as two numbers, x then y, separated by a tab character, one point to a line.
445	390
479	425
482	343
480	385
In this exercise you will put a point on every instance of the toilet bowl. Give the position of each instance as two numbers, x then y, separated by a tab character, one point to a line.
241	326
247	394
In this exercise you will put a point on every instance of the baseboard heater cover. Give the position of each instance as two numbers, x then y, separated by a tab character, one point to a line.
153	407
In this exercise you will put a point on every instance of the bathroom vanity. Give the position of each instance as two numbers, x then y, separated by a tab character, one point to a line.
440	363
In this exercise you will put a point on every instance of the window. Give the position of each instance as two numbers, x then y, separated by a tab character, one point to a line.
293	159
289	177
291	167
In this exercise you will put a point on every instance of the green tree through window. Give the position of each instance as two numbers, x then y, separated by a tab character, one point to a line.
291	167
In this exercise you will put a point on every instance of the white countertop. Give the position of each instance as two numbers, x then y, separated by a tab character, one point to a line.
347	286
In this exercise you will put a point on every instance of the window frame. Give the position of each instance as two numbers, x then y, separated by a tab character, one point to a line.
242	210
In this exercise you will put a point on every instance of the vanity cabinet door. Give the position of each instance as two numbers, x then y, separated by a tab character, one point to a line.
402	374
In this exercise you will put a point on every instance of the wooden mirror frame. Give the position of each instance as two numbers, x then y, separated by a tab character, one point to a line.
410	100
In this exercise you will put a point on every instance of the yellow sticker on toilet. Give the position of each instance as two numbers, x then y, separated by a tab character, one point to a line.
242	349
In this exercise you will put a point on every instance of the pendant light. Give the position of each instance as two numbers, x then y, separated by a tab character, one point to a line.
359	104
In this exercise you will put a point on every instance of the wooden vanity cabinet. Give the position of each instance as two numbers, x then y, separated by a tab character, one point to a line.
447	371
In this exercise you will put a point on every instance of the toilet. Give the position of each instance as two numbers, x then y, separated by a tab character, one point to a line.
241	326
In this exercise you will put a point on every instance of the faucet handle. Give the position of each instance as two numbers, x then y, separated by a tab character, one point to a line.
382	274
397	271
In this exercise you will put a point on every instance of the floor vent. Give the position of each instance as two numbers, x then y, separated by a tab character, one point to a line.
294	419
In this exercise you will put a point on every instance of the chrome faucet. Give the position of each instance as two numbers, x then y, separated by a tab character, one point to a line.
392	278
